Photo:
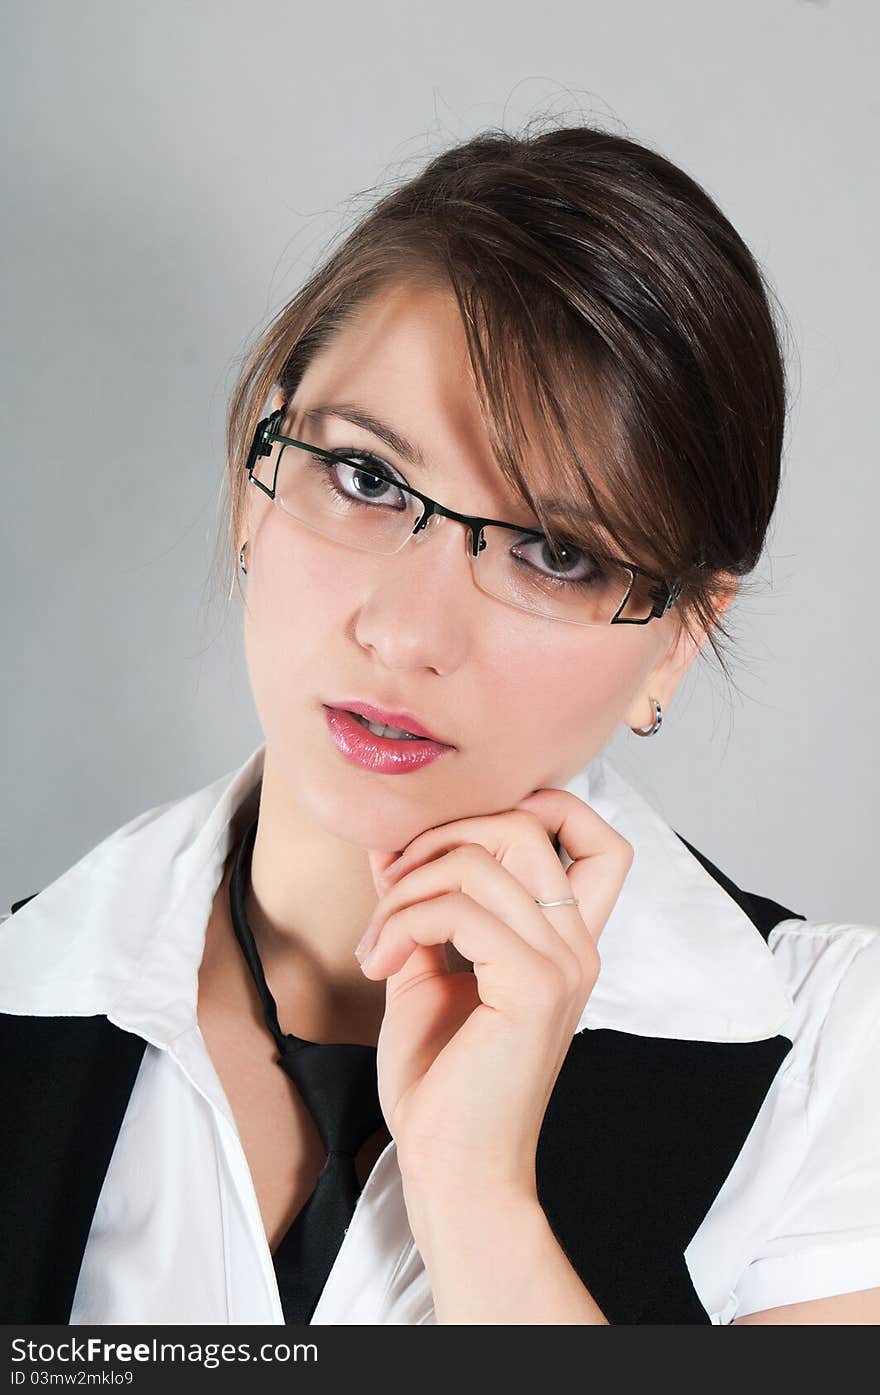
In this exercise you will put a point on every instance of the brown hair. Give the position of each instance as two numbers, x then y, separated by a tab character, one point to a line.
602	285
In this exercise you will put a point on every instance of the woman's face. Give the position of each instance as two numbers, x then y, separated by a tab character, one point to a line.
525	701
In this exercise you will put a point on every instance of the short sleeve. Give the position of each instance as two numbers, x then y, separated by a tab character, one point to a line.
826	1236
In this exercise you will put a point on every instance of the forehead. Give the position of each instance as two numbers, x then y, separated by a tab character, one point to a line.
403	358
406	336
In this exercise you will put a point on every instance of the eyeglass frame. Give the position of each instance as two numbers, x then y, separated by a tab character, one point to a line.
265	435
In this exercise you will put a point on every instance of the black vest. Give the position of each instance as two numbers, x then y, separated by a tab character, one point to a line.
637	1140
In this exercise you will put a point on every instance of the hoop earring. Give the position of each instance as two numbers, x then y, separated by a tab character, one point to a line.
241	557
658	721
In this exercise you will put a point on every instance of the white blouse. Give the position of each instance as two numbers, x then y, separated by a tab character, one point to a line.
177	1236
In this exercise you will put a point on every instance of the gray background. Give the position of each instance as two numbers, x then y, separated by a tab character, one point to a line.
173	171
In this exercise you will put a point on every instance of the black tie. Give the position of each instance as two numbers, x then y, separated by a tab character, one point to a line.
338	1084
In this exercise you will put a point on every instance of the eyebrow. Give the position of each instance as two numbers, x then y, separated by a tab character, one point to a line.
357	416
367	422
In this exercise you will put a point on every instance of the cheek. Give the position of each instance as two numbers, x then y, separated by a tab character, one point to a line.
556	706
561	686
296	597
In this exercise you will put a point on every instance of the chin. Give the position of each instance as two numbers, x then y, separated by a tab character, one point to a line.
363	818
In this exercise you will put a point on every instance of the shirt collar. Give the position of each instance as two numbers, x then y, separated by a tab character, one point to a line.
122	931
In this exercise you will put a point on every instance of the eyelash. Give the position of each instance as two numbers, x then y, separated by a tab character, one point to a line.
352	457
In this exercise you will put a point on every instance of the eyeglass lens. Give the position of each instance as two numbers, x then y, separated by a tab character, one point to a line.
351	504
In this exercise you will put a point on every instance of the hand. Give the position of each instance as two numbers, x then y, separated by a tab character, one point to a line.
467	1061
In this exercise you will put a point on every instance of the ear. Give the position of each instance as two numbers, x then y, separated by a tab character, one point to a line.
678	655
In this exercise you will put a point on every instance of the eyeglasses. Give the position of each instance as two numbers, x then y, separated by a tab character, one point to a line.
351	497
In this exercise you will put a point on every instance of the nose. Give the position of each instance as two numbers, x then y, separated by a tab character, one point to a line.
443	549
416	612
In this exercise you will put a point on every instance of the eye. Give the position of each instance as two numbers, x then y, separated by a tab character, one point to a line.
363	477
566	563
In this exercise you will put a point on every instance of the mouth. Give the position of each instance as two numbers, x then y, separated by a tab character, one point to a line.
395	751
395	726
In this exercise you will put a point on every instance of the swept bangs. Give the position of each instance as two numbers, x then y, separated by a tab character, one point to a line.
623	340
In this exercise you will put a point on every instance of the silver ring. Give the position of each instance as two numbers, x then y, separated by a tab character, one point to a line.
568	901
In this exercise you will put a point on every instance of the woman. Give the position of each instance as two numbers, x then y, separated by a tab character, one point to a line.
496	474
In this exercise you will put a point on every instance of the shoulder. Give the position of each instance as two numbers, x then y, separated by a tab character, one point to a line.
119	932
798	1216
815	1169
831	969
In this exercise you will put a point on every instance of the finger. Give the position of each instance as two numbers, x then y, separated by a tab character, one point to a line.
600	856
379	861
474	870
512	976
518	840
516	836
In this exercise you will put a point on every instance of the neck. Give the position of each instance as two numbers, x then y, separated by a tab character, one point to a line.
308	901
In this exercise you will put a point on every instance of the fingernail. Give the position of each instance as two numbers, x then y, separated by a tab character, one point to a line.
367	961
366	942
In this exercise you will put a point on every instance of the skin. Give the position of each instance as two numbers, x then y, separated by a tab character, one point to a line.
410	631
466	1061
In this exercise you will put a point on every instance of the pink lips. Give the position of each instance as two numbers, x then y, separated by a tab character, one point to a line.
383	754
382	716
